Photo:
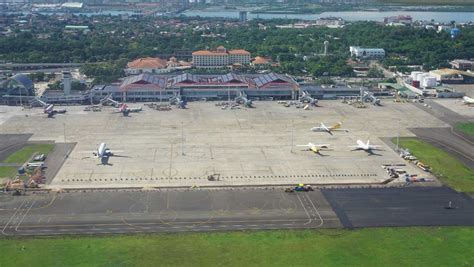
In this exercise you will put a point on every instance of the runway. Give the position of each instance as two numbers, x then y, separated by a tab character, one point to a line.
112	212
163	211
394	207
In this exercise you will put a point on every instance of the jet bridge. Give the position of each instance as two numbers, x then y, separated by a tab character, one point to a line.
243	100
307	98
367	96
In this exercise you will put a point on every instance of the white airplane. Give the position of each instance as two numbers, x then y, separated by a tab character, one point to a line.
104	153
330	129
316	148
467	100
367	147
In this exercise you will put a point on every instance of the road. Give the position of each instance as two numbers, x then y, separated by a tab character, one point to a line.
446	139
112	212
456	143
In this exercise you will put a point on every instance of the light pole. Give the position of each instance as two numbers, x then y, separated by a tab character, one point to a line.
398	136
292	137
182	139
21	102
65	148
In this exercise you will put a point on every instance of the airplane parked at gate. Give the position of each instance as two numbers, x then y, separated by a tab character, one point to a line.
330	129
316	148
122	107
367	147
49	108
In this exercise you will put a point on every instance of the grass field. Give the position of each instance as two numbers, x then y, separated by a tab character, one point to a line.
441	246
467	128
447	168
7	172
428	2
22	155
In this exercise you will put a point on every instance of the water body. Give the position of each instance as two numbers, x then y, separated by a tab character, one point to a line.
439	16
88	14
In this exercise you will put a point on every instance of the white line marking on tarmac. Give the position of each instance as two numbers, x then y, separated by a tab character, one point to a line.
14	214
24	215
315	209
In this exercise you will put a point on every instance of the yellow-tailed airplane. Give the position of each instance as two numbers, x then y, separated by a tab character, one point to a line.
316	148
330	129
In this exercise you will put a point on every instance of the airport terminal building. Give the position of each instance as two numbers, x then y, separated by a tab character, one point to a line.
148	87
16	90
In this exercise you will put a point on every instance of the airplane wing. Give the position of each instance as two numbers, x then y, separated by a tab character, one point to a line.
88	151
322	145
115	151
375	148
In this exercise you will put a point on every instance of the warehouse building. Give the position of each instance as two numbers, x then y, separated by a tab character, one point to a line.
360	52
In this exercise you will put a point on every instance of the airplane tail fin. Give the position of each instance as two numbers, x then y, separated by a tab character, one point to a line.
368	143
337	125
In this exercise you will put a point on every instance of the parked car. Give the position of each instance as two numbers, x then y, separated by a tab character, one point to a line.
40	157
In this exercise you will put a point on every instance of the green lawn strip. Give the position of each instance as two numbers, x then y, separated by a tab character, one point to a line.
467	128
7	172
416	246
447	168
22	155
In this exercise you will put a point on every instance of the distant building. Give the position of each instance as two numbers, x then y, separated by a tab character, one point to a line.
76	28
148	87
262	62
16	89
72	5
452	76
221	57
146	65
330	22
67	82
243	16
361	52
462	64
398	19
154	65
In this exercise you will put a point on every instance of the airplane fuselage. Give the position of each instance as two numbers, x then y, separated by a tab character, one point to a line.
102	151
468	101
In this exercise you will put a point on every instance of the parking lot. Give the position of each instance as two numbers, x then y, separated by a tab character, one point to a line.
243	146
